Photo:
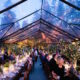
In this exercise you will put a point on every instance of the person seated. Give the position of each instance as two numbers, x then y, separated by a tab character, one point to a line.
11	56
73	73
52	62
46	59
33	58
30	62
26	73
58	69
5	55
42	56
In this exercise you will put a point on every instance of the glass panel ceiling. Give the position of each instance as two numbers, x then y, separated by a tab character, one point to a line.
24	22
24	34
76	29
19	11
21	15
56	22
55	12
62	10
2	32
54	33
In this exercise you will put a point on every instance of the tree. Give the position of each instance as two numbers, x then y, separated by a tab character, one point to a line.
71	51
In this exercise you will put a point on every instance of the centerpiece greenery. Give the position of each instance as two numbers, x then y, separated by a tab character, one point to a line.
13	62
1	70
6	64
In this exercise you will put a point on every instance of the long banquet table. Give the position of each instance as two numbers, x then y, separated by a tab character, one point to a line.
14	70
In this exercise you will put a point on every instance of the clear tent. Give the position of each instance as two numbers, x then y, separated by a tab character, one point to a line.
53	18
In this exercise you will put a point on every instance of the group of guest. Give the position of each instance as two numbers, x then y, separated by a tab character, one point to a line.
57	67
28	68
6	56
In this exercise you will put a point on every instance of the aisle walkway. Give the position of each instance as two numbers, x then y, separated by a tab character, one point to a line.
38	72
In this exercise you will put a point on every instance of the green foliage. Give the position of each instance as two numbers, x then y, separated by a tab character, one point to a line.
78	68
1	70
17	51
70	50
6	64
53	48
13	62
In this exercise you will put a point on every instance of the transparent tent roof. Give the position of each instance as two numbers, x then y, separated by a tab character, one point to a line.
74	2
23	19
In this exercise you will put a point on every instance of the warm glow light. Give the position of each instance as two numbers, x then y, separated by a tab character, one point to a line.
73	43
43	36
2	51
20	44
10	41
48	40
5	70
76	39
25	41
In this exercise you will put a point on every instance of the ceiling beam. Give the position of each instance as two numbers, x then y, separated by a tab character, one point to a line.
58	29
71	5
21	30
18	20
12	6
61	20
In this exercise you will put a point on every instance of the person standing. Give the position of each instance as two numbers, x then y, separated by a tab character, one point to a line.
36	54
